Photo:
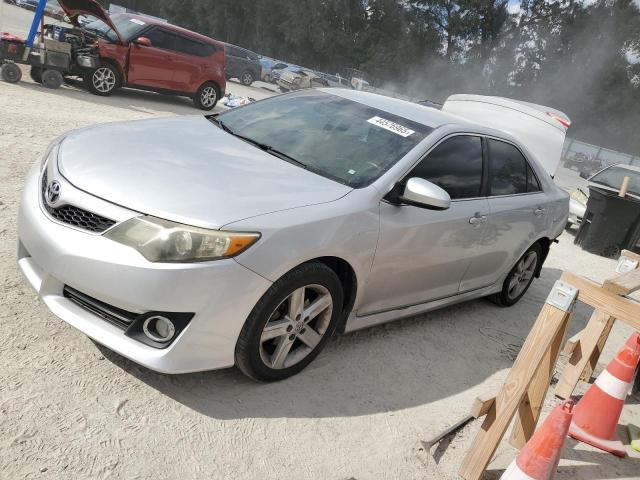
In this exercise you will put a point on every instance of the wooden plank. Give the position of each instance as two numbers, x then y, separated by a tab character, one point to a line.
595	356
545	329
624	188
531	405
572	344
481	406
580	357
621	308
631	255
624	283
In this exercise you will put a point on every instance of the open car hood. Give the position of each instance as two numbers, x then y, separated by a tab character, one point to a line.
74	8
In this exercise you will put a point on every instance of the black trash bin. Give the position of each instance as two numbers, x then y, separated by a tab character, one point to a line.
610	224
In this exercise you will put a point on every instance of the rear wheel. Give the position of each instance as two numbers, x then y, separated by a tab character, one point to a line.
52	79
247	78
520	278
11	73
291	323
36	74
103	81
207	96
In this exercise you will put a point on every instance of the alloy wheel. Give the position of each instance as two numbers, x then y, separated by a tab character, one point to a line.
247	79
522	275
208	97
104	80
296	326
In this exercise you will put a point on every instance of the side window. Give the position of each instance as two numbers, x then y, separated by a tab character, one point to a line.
533	185
507	169
192	47
455	165
161	39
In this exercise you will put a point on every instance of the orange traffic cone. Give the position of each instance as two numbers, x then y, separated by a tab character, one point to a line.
539	458
596	416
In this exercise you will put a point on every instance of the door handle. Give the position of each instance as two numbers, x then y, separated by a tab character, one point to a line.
478	219
539	211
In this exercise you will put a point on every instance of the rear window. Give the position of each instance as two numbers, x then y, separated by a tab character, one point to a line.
613	177
507	169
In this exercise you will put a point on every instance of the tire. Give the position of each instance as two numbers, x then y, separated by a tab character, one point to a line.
509	295
257	357
52	79
267	78
103	81
207	96
247	78
36	74
11	73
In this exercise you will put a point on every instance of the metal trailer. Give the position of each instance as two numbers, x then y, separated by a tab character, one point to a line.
49	61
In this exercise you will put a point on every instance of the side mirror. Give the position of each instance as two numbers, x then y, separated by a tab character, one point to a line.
423	193
143	41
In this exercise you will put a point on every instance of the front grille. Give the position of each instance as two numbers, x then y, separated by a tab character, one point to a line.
75	216
114	315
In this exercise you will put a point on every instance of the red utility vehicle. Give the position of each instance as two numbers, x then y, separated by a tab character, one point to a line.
126	50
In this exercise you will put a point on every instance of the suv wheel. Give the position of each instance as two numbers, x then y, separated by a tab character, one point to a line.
291	323
103	81
520	278
206	97
247	78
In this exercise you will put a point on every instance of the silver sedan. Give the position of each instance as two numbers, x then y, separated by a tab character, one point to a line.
248	238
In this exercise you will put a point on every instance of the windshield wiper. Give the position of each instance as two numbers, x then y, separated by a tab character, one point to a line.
262	146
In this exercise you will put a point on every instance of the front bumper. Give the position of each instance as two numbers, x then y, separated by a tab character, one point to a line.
221	293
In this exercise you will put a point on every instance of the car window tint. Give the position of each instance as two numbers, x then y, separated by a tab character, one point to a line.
192	47
533	185
161	39
455	165
507	169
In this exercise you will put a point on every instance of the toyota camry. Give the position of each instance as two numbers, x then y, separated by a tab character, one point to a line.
250	237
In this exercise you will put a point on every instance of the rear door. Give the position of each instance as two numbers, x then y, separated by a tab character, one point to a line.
235	61
153	66
423	254
193	65
518	214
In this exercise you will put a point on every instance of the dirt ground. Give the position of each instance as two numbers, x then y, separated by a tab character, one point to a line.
70	409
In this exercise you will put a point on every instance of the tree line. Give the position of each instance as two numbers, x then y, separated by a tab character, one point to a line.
582	57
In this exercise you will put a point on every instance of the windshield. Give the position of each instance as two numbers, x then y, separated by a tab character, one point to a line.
126	25
340	139
612	177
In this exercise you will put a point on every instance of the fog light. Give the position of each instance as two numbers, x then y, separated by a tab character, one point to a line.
159	329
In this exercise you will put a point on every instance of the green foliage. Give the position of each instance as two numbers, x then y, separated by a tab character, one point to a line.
564	53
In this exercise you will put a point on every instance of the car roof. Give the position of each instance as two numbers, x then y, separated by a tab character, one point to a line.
175	28
428	116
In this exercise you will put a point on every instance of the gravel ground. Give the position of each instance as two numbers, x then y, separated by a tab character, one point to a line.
70	409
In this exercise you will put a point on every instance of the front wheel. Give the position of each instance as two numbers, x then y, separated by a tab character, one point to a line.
102	81
520	278
206	97
290	324
11	72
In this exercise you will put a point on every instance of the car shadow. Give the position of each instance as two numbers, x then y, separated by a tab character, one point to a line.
395	366
124	98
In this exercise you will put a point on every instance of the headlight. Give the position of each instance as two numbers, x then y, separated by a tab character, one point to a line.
50	153
164	241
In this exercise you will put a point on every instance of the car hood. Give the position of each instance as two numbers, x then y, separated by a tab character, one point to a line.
188	170
74	8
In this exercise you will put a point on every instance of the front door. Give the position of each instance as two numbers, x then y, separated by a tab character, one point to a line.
423	254
153	66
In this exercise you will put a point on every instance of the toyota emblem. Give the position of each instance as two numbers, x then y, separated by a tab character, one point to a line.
52	195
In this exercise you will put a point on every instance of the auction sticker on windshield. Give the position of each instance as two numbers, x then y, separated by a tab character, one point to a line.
391	126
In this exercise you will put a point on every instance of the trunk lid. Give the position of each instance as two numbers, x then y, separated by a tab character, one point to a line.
188	170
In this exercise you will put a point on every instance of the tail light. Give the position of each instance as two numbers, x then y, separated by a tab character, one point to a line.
565	122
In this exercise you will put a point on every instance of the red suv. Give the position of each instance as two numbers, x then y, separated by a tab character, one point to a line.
125	50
